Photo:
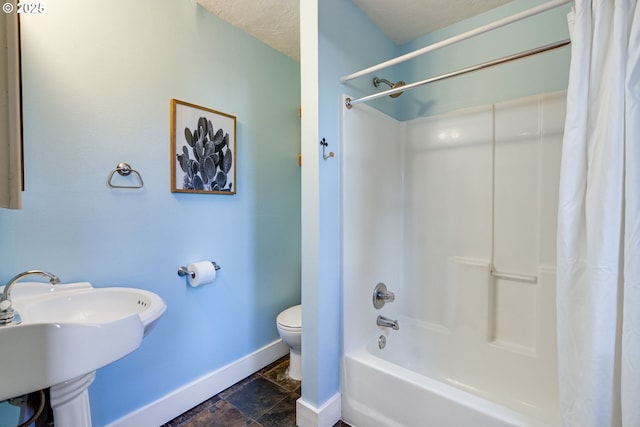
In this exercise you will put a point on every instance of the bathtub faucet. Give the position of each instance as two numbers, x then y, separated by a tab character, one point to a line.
387	323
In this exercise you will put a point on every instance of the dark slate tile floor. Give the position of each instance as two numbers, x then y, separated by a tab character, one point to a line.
264	399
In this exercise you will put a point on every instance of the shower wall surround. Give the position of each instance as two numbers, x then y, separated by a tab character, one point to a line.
473	190
482	185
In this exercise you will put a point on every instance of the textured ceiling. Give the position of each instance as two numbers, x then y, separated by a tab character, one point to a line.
406	20
274	22
277	22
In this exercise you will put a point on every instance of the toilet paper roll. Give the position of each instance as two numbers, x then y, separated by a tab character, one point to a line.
201	273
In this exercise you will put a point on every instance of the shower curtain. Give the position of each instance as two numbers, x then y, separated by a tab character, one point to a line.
598	276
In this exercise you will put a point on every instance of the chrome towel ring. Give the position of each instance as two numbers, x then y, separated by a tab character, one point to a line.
124	169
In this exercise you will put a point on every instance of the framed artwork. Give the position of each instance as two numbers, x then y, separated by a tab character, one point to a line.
203	150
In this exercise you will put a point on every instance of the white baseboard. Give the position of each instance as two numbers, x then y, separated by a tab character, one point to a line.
325	416
181	400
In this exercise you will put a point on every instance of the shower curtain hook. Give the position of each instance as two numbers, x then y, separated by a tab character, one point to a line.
324	144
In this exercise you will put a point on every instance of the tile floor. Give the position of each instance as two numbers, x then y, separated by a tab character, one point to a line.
264	399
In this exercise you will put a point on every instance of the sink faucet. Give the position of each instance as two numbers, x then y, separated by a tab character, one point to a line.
7	313
387	323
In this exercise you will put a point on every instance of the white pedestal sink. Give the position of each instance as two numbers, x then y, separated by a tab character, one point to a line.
68	331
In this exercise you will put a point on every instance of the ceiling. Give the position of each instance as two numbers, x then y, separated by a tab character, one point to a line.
277	22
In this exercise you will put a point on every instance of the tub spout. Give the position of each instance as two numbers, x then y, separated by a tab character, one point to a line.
387	323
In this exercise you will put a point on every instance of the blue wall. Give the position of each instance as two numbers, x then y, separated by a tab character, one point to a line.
98	77
542	73
346	40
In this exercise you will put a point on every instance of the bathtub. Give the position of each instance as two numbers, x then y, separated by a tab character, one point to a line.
411	382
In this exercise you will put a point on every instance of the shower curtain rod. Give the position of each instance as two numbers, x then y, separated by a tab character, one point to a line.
492	26
351	102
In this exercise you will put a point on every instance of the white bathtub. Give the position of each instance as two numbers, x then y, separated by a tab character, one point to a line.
413	383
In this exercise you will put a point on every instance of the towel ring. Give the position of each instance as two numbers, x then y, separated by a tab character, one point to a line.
124	169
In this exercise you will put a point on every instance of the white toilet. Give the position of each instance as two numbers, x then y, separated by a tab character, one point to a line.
290	329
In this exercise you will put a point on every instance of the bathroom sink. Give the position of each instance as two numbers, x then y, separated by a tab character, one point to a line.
69	330
95	306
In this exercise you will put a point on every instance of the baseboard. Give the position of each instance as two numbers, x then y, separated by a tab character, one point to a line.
181	400
325	416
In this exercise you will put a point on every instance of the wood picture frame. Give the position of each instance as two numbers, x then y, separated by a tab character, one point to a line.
203	150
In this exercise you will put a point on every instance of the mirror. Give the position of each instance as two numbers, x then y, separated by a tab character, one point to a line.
11	179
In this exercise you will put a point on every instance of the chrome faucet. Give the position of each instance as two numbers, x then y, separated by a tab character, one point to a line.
7	313
387	323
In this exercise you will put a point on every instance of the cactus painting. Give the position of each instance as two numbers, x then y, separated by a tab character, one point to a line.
202	150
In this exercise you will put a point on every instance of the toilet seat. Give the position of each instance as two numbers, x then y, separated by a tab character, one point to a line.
290	319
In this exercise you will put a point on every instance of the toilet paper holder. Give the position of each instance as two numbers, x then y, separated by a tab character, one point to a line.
183	271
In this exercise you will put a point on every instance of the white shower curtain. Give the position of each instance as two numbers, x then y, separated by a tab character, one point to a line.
598	278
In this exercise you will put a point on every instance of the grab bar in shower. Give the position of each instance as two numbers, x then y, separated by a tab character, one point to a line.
512	276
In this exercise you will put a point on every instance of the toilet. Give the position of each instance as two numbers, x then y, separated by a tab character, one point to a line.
289	324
